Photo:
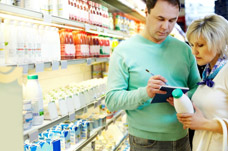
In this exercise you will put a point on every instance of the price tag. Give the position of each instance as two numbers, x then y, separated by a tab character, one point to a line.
55	65
85	110
33	136
114	121
25	69
87	27
89	61
105	31
99	133
98	29
95	104
122	113
99	102
93	145
47	18
63	64
39	67
72	116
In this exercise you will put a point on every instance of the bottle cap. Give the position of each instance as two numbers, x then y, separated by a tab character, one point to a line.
177	93
32	77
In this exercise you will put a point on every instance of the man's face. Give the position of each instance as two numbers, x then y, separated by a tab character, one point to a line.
160	21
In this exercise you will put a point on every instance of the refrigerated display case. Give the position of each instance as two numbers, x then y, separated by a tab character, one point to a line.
52	74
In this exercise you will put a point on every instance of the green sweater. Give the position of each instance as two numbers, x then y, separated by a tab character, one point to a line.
127	81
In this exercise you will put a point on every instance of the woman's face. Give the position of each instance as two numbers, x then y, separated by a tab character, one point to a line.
202	53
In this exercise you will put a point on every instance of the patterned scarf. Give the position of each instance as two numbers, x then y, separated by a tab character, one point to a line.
208	74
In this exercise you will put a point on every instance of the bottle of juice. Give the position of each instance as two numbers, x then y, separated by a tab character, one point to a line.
62	42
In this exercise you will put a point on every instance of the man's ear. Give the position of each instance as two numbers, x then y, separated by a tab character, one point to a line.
146	11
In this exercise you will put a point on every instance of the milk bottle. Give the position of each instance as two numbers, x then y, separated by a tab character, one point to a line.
11	38
33	92
2	45
182	103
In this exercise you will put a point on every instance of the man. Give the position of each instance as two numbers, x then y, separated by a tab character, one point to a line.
152	126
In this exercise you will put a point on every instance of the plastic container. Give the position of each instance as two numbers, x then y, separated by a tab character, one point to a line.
182	103
11	38
2	45
33	92
27	114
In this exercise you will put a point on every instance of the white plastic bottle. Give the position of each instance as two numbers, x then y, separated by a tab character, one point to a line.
34	93
57	44
42	39
11	39
29	43
55	7
20	43
182	103
2	45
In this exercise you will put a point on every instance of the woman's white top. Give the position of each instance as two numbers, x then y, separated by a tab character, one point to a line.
213	102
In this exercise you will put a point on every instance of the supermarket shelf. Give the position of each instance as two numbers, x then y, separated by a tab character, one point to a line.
120	142
18	11
15	11
67	22
48	123
47	65
94	133
126	8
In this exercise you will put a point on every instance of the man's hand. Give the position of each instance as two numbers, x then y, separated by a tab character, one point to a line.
171	101
154	84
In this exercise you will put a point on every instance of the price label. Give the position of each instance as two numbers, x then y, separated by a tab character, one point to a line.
99	133
85	110
39	67
72	116
95	104
114	121
122	113
25	69
98	29
87	27
55	65
93	145
99	102
89	61
105	31
33	136
47	18
64	64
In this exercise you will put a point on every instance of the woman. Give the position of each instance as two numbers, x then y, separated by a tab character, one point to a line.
208	38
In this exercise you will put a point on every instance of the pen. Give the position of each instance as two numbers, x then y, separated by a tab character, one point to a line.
149	72
153	74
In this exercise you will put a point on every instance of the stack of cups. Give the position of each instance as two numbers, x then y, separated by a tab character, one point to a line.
27	114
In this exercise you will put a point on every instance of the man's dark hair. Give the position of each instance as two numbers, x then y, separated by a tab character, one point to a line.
151	3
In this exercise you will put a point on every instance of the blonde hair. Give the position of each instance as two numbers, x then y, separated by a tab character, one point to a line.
214	30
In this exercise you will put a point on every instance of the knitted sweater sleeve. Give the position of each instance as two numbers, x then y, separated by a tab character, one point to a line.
118	97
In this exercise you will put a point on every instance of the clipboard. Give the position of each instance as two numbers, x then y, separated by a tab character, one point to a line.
161	98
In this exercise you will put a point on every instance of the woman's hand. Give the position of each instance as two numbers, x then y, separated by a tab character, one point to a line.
193	121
